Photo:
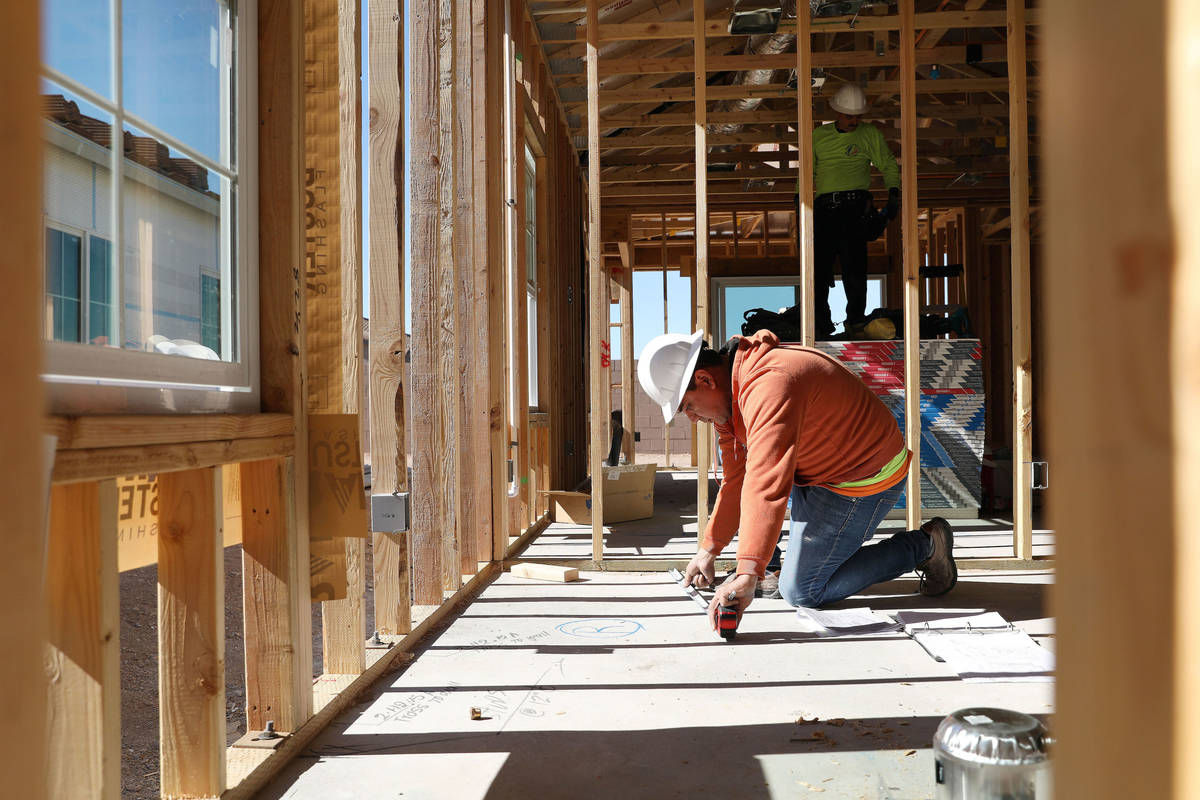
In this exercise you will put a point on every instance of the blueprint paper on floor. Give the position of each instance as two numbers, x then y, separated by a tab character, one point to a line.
843	622
984	648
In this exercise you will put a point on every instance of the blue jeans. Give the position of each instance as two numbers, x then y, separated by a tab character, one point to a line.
826	560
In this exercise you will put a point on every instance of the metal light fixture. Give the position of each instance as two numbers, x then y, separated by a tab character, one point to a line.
751	17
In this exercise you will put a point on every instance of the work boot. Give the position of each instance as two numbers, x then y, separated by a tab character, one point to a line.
938	573
768	587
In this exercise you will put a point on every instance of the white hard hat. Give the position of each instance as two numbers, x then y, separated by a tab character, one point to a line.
665	368
849	100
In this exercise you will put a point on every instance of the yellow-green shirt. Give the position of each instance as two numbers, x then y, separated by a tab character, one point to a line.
842	161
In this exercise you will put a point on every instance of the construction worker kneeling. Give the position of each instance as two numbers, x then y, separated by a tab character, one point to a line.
794	422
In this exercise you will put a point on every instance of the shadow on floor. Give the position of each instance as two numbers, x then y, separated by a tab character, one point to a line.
627	764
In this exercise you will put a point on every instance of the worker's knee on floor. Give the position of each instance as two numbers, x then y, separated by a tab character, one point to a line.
797	597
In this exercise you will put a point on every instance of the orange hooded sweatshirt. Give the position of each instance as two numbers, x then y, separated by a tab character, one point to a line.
799	417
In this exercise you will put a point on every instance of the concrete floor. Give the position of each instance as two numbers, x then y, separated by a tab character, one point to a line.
614	687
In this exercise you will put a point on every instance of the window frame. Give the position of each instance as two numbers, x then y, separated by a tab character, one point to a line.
719	285
82	377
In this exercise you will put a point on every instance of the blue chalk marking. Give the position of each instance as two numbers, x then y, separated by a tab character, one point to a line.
600	628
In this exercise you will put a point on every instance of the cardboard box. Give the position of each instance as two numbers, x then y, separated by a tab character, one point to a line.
628	494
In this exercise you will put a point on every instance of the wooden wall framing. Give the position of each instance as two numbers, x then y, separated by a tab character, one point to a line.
23	753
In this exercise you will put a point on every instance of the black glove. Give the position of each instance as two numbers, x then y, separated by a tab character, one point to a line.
893	203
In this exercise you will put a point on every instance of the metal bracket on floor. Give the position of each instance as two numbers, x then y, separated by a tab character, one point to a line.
266	739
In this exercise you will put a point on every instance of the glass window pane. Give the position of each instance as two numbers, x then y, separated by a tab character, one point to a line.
77	41
178	226
101	293
62	286
177	70
70	266
210	312
53	261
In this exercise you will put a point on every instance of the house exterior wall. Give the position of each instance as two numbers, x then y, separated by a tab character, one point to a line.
171	234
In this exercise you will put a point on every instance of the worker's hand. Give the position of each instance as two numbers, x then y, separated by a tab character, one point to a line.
701	570
741	587
893	203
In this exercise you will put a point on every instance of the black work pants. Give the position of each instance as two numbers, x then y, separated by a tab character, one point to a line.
838	235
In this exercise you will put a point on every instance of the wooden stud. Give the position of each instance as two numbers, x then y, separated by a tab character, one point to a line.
1182	71
427	450
445	311
1018	181
666	329
282	310
520	342
83	656
700	132
191	634
473	483
388	345
23	745
908	204
278	683
332	273
489	93
323	205
628	393
1121	240
804	218
597	303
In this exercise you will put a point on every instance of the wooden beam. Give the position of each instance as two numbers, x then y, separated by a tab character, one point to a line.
517	289
83	655
282	310
1018	143
700	132
763	116
191	634
332	277
621	32
825	60
488	91
23	744
675	94
597	295
428	481
85	433
474	483
804	187
912	284
445	312
388	343
114	462
278	682
1182	71
323	272
628	356
1121	657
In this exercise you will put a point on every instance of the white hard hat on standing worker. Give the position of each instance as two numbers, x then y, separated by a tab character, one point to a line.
665	368
849	100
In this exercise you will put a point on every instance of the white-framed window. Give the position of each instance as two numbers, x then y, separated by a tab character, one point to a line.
150	204
531	287
79	281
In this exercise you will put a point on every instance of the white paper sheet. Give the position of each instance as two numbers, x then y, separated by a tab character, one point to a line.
983	648
992	657
843	622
